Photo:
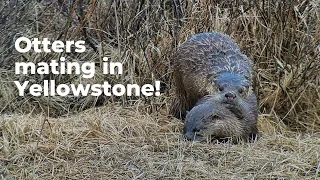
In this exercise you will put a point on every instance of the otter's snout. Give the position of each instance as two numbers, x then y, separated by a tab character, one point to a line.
191	134
230	95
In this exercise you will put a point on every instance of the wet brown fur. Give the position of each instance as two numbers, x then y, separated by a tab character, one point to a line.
196	64
212	117
201	66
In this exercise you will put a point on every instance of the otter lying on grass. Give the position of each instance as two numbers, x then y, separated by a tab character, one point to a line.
222	117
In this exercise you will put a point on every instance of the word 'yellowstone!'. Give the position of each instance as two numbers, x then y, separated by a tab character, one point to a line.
49	88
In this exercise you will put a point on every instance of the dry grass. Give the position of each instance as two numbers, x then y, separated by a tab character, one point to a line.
123	143
128	138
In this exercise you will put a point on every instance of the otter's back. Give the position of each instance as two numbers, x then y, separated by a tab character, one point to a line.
211	54
198	63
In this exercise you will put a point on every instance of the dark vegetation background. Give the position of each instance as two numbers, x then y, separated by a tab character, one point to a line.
132	138
281	37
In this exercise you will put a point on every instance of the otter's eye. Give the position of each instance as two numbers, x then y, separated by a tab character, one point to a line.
241	90
221	88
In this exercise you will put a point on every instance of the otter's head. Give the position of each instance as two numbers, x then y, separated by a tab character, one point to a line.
212	119
231	88
220	115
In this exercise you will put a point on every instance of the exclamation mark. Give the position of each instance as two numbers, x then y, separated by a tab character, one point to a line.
157	86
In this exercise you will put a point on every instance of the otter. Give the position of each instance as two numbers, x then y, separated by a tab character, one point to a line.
212	65
219	118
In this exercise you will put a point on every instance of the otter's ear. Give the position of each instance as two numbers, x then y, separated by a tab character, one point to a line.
187	112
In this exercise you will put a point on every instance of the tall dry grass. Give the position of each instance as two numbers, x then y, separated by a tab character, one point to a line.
281	37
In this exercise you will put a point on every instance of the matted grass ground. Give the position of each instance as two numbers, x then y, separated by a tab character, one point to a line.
126	143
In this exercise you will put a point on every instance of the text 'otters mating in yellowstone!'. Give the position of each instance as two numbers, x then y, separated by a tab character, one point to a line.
82	69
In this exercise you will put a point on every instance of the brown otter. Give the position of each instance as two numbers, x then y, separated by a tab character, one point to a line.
212	64
219	118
